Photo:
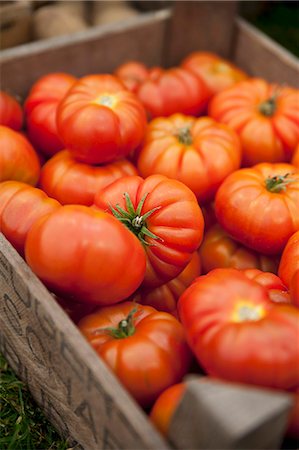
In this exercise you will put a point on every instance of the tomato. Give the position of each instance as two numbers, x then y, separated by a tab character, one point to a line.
217	73
165	297
18	159
199	152
40	108
289	266
72	182
259	206
265	116
172	91
20	206
277	290
99	120
237	334
295	158
218	249
85	255
165	406
145	348
11	114
165	216
132	74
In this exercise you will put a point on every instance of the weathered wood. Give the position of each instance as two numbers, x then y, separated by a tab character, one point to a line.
199	25
258	55
229	416
15	18
99	49
76	390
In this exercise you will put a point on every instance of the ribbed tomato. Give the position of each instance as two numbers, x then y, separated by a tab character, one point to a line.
165	406
72	182
165	216
199	152
265	116
145	348
11	114
295	158
289	267
276	289
132	74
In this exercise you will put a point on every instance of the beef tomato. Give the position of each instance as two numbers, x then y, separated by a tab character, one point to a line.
289	267
11	114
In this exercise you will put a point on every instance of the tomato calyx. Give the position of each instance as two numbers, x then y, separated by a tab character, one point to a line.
124	329
268	107
134	220
278	183
184	136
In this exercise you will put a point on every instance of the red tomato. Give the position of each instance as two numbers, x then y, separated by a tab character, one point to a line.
277	291
100	121
294	288
11	114
165	297
165	406
172	91
289	267
165	216
265	116
20	206
72	182
295	158
218	249
132	74
217	73
145	348
237	334
18	159
40	108
85	255
259	206
199	152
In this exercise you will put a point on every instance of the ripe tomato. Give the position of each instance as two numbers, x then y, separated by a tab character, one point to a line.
165	406
295	158
145	348
172	91
165	297
217	73
11	114
265	116
237	334
218	249
72	182
100	121
20	206
165	216
85	255
40	108
18	159
199	152
132	74
259	206
289	267
277	290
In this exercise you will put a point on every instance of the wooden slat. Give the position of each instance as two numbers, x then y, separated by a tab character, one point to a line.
199	25
73	386
99	49
262	57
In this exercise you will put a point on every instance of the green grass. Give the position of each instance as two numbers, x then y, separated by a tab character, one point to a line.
22	424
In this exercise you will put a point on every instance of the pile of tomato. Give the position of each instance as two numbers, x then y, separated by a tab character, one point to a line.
161	209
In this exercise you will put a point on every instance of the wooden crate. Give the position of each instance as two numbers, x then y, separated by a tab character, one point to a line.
15	20
78	393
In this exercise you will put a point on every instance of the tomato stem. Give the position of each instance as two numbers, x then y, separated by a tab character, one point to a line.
278	183
125	327
268	107
184	136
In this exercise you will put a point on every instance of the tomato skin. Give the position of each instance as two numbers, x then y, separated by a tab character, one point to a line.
231	326
173	91
289	267
80	253
18	159
165	406
258	218
217	73
11	114
99	120
277	290
132	74
72	182
198	152
40	109
178	222
295	158
218	249
158	342
165	297
20	206
264	138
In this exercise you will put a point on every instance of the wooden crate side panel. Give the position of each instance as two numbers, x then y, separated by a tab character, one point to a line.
260	56
72	385
97	50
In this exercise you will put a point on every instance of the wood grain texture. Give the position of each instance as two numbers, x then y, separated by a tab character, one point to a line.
77	392
261	56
